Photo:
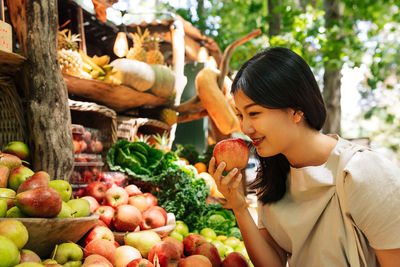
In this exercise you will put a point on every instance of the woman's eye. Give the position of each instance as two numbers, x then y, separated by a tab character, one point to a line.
239	116
253	113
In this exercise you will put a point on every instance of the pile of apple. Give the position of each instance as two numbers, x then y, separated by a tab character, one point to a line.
25	193
85	140
125	208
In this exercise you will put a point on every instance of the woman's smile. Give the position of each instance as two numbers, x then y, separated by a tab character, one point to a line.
257	141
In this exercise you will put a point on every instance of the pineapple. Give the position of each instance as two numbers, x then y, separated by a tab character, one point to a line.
162	141
69	59
168	116
138	51
154	55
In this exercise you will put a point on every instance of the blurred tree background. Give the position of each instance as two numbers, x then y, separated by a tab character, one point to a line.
338	38
333	36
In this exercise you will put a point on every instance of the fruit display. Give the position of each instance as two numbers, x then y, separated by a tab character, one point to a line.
86	140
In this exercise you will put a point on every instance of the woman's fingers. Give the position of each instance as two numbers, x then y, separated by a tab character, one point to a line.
236	182
211	166
227	179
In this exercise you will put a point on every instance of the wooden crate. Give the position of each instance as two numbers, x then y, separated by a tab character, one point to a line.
129	127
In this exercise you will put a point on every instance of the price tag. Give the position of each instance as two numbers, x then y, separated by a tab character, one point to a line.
5	37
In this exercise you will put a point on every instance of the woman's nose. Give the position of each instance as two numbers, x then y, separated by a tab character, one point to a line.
246	127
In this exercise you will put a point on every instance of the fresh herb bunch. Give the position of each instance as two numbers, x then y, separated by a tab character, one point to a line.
187	151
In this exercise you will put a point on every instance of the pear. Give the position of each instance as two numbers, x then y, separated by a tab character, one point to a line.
142	241
66	211
38	179
10	161
18	148
39	202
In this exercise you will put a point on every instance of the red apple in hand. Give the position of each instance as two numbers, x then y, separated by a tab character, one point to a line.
132	190
234	152
97	190
154	217
127	218
167	253
116	196
93	204
106	214
100	232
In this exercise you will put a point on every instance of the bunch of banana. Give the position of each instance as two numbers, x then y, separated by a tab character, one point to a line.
99	69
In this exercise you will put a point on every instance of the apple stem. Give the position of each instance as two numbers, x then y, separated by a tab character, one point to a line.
26	163
54	252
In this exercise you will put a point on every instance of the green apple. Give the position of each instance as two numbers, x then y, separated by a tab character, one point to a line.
63	187
220	247
80	206
9	253
3	208
221	237
49	261
66	252
208	233
18	175
73	264
231	241
228	250
17	148
182	228
66	211
142	241
8	195
15	212
29	264
14	230
177	235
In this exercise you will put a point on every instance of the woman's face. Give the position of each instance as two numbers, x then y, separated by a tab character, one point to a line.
272	131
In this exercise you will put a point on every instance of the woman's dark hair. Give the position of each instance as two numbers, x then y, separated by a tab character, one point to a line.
278	78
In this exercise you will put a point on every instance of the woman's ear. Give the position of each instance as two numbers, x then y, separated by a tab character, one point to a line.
297	116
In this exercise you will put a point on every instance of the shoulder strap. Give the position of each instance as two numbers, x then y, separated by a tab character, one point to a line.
355	249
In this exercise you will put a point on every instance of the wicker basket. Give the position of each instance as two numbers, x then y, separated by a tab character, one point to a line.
96	116
129	127
12	122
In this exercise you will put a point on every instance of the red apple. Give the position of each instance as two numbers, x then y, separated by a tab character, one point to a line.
234	152
191	242
83	146
101	247
92	203
153	218
97	190
100	232
195	260
151	199
125	254
132	190
95	146
140	263
166	252
106	214
80	192
87	176
235	259
139	201
116	196
210	251
96	260
175	241
87	136
162	210
77	146
127	218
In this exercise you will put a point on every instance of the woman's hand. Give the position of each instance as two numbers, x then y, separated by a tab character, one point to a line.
229	185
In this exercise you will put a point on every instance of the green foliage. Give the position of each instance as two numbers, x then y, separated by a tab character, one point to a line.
187	151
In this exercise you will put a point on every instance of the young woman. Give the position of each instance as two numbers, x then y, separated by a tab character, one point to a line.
300	214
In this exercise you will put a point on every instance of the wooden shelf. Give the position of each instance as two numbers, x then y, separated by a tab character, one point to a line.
10	62
117	97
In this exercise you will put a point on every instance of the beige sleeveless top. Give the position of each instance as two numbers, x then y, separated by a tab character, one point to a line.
307	221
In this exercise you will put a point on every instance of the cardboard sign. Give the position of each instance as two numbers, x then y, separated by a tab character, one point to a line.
5	37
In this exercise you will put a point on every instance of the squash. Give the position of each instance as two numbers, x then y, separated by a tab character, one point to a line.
134	73
215	103
164	83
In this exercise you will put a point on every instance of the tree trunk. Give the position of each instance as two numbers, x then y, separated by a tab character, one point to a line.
274	19
44	92
332	75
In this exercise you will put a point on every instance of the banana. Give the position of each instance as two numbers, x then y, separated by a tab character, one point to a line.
101	61
87	59
86	67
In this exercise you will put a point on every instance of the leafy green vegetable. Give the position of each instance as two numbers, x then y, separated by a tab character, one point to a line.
189	152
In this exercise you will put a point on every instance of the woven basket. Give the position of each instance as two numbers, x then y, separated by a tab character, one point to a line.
96	116
12	122
129	127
